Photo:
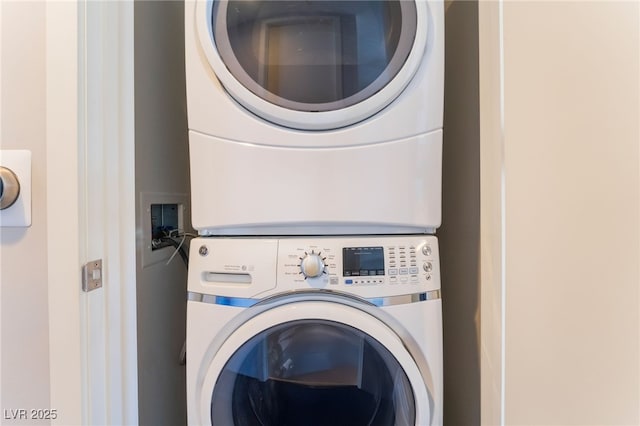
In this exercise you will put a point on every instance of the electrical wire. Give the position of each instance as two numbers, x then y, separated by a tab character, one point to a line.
178	246
182	253
179	249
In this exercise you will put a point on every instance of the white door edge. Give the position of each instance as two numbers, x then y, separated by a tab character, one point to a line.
492	227
90	167
109	209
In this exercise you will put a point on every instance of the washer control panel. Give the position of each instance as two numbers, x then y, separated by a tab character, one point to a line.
368	266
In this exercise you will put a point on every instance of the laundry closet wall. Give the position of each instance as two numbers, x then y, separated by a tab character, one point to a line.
459	234
162	167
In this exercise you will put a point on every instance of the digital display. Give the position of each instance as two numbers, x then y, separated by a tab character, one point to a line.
362	261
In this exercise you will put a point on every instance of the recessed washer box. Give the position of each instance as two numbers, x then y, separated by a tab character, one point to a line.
160	214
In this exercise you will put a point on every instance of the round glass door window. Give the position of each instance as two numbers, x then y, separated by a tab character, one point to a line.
312	372
316	55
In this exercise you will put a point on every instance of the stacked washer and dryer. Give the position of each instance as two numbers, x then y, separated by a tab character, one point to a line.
315	135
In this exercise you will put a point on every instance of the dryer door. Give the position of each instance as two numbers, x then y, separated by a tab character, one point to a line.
314	362
316	64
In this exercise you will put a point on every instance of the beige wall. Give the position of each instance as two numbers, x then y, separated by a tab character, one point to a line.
569	146
23	251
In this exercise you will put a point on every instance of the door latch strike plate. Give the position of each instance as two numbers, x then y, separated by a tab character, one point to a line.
92	275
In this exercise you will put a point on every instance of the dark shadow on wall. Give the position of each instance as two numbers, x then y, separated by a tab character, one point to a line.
162	167
459	235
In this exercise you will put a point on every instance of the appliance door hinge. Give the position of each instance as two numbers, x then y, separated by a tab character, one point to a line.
92	275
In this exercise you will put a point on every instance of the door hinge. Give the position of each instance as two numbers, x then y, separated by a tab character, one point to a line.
92	275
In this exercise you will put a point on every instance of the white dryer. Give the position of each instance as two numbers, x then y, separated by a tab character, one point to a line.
325	114
314	331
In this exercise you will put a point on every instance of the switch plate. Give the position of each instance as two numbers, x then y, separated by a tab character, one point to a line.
19	213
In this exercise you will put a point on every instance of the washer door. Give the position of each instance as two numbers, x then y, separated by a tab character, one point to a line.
315	64
313	363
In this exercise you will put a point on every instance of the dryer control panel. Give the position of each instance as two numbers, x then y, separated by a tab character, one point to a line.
366	266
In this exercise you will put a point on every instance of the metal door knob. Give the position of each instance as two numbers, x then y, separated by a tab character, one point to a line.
9	188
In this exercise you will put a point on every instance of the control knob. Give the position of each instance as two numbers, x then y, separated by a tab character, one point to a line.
312	265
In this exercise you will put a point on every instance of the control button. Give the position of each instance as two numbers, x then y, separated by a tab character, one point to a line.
404	271
333	280
413	270
428	266
393	280
348	282
428	277
426	250
404	279
393	271
414	278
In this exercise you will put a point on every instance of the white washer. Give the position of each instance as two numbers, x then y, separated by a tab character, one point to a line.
314	331
292	102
